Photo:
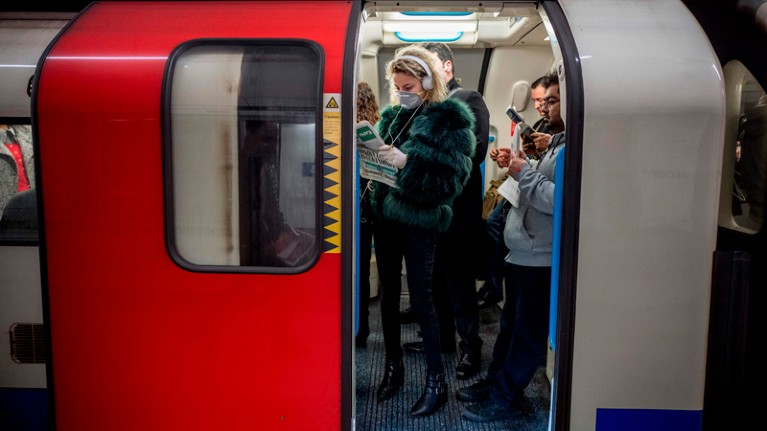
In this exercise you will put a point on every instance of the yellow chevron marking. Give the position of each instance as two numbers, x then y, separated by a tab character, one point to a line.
335	215
334	176
335	239
334	150
335	189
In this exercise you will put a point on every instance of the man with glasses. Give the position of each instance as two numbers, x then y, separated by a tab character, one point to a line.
522	340
491	292
542	134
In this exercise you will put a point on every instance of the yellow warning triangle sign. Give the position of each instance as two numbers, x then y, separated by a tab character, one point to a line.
332	103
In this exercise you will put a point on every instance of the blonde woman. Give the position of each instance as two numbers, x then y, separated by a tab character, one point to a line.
430	139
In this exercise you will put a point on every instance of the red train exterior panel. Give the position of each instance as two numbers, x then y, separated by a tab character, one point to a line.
138	342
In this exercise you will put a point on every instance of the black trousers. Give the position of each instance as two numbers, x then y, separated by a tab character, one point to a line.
455	293
393	242
522	340
497	251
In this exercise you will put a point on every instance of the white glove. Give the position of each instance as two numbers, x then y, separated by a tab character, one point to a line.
393	155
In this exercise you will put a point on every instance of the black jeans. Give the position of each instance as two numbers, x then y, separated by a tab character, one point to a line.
497	249
455	292
522	340
393	242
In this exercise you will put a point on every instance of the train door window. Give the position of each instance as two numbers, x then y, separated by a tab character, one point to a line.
744	184
18	203
243	156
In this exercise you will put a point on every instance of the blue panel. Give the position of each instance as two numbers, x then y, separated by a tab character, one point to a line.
23	409
357	260
559	179
482	171
490	140
649	420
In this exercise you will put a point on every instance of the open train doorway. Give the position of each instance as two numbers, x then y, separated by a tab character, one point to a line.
496	51
629	344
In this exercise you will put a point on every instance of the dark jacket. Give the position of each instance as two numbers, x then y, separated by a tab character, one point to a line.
467	208
439	144
481	127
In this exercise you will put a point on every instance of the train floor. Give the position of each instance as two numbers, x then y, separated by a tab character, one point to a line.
394	414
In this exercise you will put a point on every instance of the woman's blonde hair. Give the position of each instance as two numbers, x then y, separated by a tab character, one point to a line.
367	107
438	93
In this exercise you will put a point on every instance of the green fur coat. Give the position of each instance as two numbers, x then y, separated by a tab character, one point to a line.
439	144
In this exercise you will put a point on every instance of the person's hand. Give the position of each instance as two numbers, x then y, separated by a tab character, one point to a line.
501	156
494	154
528	145
541	141
516	162
393	155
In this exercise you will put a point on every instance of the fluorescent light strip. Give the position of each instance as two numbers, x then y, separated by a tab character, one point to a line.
436	13
430	26
428	37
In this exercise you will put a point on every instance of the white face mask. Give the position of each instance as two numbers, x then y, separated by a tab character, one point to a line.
409	100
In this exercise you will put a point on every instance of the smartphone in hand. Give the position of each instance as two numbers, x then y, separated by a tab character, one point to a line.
525	130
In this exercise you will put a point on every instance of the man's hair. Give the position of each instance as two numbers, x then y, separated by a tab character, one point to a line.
543	80
441	49
551	79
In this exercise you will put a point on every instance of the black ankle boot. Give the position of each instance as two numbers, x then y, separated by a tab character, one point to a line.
434	395
394	374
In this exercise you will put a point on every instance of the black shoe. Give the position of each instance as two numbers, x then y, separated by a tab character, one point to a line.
406	316
417	347
468	366
434	395
475	393
394	375
414	347
489	410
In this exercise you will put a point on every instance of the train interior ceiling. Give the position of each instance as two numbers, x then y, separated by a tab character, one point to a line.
499	49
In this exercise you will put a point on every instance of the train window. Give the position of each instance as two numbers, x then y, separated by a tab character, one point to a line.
18	203
244	154
745	170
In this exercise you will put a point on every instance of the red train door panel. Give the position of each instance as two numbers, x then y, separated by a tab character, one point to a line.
191	216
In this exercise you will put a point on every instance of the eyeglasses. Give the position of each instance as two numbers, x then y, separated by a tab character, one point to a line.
550	101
